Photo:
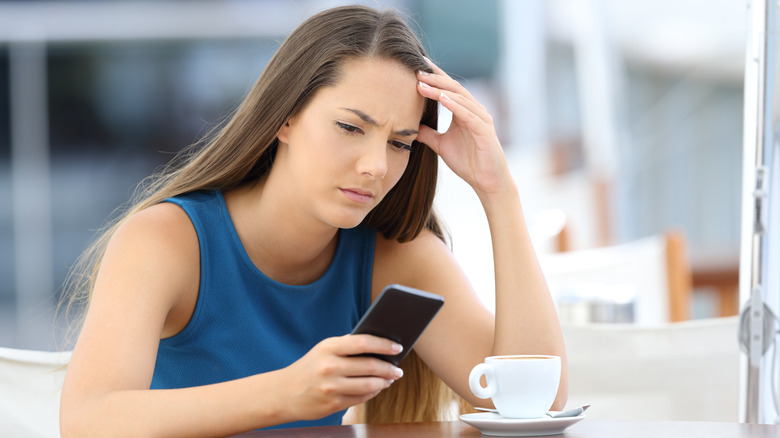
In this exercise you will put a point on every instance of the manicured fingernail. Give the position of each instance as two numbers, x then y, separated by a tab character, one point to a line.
423	73
389	382
444	97
398	373
397	347
424	85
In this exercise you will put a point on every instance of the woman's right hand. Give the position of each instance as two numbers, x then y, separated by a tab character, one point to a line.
328	379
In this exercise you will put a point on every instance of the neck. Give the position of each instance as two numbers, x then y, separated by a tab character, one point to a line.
287	247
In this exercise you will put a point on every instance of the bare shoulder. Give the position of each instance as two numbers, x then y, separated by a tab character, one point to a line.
164	227
424	244
160	236
427	263
164	214
155	250
424	262
145	289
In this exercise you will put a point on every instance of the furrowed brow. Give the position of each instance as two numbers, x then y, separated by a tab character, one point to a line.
407	132
363	116
370	120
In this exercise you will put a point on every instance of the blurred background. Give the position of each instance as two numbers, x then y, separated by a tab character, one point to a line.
621	121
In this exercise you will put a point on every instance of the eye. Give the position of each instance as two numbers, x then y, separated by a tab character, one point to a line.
349	128
400	145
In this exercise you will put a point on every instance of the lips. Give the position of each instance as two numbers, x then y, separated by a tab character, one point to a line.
357	195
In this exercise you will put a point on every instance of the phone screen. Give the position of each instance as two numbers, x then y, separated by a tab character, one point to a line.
401	314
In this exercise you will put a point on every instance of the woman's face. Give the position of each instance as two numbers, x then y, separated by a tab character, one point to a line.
350	144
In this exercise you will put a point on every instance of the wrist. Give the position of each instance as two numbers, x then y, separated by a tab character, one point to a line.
499	200
274	403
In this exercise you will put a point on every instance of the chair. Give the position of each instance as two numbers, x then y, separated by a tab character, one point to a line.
655	269
30	386
687	371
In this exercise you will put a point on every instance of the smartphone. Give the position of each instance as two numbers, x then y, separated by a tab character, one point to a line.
401	314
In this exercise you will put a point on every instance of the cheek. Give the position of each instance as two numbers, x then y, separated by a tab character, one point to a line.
305	162
316	149
397	164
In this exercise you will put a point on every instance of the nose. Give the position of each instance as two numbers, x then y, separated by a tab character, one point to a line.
373	161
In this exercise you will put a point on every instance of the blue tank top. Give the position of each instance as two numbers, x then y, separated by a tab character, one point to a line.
244	322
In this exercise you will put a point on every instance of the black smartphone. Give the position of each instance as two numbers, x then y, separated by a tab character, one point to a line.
401	314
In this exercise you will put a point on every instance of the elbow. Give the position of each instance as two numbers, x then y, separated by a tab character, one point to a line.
99	417
75	418
79	419
69	424
560	400
563	389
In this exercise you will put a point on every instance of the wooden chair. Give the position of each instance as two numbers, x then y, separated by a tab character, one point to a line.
656	268
718	274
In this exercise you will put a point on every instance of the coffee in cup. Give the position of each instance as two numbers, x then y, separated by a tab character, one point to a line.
521	386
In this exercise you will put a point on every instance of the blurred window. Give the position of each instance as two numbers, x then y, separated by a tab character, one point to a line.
118	111
462	35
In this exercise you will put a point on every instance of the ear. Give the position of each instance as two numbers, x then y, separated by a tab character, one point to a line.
284	132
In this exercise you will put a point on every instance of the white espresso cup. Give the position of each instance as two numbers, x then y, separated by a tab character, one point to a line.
520	386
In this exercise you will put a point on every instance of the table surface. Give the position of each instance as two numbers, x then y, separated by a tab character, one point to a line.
584	429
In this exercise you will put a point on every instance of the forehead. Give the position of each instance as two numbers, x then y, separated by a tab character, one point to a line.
384	89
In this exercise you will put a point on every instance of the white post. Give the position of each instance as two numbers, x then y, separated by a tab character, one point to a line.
758	286
599	84
522	71
31	189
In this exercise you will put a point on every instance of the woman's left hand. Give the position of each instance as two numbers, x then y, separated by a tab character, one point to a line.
470	147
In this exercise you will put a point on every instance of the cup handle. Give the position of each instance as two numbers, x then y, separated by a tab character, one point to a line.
474	376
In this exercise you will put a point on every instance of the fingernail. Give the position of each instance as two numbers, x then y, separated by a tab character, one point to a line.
444	97
398	373
423	73
424	85
397	348
389	382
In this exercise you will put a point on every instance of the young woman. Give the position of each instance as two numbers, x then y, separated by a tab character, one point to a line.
222	300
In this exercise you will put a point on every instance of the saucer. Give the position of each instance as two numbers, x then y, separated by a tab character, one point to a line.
490	423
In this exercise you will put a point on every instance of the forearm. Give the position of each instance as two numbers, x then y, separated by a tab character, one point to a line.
526	319
213	410
331	377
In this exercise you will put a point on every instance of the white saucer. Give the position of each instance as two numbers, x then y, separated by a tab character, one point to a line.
490	423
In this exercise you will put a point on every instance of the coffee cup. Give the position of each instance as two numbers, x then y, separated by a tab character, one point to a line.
521	386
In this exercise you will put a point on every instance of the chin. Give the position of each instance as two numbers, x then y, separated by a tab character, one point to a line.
348	223
348	220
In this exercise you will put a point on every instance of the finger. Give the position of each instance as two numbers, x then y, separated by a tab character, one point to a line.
441	79
363	386
360	344
352	400
435	67
430	137
460	113
364	366
469	104
354	396
444	82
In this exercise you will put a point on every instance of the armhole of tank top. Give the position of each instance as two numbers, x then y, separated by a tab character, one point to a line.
191	325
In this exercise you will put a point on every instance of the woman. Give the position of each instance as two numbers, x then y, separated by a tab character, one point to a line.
221	301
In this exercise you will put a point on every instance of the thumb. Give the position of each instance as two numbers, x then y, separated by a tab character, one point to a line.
430	137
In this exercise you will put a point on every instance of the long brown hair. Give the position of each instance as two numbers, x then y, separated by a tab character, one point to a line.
244	148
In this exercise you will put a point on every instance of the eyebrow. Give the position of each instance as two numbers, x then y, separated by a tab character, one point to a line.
370	120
